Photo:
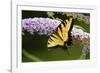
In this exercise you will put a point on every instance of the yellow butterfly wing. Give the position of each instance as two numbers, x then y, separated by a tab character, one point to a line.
61	36
54	41
66	29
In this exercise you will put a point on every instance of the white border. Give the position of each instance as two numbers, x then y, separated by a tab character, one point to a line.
18	66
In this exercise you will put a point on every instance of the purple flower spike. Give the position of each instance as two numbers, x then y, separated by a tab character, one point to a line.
79	33
40	25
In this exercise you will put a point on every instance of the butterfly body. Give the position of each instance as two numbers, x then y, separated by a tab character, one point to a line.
61	37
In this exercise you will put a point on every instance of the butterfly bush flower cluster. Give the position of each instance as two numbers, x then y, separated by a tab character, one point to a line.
79	34
40	25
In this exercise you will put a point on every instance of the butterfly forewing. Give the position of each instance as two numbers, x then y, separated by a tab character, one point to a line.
61	34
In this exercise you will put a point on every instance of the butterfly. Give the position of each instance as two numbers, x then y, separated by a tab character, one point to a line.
61	36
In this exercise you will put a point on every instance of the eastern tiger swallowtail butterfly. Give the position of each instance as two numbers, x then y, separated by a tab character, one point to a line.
61	36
